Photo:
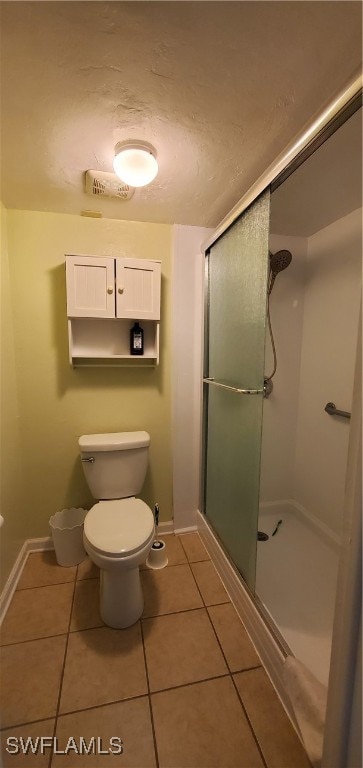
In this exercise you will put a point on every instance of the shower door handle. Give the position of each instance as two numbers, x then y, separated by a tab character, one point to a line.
233	389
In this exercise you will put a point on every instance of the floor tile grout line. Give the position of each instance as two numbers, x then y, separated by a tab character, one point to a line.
235	671
94	578
171	613
246	669
186	554
99	706
130	698
57	634
210	605
62	672
173	565
212	625
85	629
169	565
183	610
149	698
254	735
200	593
33	639
192	682
114	701
87	578
42	586
230	673
184	550
22	725
91	578
42	637
204	606
249	722
103	626
111	703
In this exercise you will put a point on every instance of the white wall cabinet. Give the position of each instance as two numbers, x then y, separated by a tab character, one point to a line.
138	289
105	296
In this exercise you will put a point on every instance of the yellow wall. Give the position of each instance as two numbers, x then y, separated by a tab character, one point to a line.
59	403
12	507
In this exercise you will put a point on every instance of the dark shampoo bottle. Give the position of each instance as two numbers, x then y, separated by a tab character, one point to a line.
136	340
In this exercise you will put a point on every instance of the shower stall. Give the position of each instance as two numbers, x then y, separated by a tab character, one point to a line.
274	448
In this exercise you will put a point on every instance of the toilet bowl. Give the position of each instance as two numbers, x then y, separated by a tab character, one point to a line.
118	531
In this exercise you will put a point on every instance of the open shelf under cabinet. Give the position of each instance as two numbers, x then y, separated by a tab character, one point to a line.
106	342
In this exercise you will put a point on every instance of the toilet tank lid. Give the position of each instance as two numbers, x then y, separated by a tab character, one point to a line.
114	441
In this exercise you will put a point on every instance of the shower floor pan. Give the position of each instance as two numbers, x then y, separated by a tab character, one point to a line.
296	580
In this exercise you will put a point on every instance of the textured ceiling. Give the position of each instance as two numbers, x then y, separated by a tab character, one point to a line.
324	188
219	88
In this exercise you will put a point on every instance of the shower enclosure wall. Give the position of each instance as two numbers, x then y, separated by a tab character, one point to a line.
288	483
315	308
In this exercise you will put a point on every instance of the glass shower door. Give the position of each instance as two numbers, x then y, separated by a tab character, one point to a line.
233	383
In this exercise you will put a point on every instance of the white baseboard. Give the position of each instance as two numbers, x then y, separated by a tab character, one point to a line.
31	545
40	545
165	528
168	527
189	529
267	648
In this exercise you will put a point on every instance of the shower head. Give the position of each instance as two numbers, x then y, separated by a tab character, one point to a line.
278	262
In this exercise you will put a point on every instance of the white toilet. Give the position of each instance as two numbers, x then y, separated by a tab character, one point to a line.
119	529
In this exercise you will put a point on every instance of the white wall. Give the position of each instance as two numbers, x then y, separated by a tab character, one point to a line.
314	312
187	325
330	327
280	409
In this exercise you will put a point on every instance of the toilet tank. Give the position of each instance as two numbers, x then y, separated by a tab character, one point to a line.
115	464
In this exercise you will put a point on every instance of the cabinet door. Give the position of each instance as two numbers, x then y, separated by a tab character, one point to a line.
90	286
138	289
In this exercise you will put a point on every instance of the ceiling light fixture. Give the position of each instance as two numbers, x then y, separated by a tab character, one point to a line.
135	163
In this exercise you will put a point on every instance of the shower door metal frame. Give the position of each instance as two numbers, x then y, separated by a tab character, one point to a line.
205	389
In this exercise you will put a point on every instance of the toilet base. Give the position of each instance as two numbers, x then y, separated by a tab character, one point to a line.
121	598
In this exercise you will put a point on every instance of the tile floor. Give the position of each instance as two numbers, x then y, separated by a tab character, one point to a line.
182	688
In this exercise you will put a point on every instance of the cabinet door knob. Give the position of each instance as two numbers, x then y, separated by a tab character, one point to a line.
120	290
109	290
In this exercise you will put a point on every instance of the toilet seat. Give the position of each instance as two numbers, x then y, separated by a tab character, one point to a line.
119	527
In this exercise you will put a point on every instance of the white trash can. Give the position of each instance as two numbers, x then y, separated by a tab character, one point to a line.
67	534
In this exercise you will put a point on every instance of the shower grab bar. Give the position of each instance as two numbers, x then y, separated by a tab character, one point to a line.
234	389
332	410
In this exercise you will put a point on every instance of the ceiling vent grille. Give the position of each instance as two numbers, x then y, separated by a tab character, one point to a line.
103	184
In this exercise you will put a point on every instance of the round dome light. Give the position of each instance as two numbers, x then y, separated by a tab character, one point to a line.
135	163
